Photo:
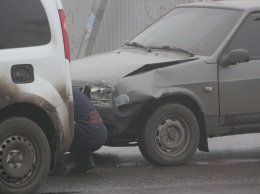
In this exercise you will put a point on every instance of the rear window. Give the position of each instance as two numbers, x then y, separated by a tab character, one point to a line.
23	23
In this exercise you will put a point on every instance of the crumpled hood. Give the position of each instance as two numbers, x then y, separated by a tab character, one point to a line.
109	67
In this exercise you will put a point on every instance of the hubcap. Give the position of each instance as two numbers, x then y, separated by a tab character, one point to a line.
17	159
171	136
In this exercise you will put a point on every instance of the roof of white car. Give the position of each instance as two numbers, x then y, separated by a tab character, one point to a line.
242	5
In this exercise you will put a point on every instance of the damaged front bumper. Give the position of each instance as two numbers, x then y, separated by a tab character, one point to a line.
121	123
117	117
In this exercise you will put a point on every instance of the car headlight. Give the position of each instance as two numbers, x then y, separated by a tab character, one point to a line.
121	100
99	94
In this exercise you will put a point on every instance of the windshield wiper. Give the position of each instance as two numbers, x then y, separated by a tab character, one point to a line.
174	49
136	44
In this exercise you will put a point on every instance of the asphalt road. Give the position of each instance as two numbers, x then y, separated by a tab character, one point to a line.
231	167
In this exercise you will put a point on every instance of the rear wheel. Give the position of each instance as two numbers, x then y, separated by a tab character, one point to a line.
170	135
24	156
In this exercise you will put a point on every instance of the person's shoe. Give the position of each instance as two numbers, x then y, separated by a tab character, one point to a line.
84	164
60	168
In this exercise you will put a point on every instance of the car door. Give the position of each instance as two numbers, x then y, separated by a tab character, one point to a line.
239	85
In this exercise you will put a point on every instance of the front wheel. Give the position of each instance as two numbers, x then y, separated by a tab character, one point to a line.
170	135
24	156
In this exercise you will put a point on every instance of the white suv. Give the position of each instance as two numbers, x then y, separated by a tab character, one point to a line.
36	102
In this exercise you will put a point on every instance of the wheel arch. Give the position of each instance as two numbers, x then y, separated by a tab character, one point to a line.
188	102
37	115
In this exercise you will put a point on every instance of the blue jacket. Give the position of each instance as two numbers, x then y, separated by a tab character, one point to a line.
89	126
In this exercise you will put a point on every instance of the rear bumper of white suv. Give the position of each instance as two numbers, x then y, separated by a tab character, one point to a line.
66	130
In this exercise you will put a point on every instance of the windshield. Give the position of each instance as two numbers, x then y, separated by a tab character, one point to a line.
198	30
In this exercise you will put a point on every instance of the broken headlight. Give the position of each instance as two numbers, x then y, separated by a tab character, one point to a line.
121	100
99	94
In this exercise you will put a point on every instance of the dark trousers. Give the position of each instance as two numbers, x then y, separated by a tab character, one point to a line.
80	145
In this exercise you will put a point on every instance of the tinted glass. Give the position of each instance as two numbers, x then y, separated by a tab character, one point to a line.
199	30
248	37
23	23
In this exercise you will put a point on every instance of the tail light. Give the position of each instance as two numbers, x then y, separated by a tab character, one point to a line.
65	34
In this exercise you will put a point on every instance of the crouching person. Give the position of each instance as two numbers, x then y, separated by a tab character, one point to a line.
90	134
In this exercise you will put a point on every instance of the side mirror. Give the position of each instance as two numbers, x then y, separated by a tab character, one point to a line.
236	56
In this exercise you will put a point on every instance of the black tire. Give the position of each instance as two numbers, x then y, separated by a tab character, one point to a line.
24	156
170	135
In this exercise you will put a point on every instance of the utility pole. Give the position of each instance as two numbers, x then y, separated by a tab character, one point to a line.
92	28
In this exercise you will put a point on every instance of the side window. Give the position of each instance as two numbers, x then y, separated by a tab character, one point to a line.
23	24
248	37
